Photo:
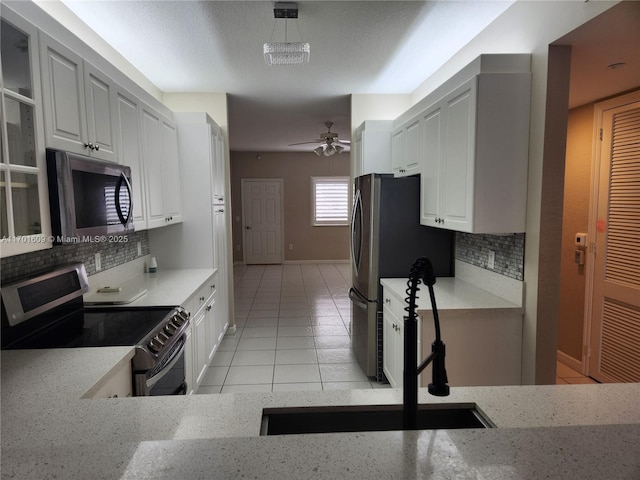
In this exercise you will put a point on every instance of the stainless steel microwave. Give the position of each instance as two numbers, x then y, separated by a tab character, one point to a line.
88	198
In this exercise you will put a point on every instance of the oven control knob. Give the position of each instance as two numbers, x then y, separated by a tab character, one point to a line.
178	320
170	329
155	345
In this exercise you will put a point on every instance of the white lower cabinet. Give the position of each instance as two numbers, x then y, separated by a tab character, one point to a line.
118	385
393	339
189	361
200	342
483	345
208	327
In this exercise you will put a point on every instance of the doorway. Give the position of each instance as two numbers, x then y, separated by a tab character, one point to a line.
597	71
262	224
612	321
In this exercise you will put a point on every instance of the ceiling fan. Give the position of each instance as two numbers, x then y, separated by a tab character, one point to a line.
329	143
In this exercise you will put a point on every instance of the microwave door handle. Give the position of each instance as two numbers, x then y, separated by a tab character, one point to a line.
123	180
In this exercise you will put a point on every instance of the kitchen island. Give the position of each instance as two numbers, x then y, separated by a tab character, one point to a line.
50	431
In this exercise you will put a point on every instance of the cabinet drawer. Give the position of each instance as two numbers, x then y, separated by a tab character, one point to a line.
395	305
201	297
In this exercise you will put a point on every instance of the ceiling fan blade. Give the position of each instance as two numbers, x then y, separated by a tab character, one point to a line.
304	143
345	142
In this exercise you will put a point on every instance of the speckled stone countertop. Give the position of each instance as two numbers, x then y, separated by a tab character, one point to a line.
49	431
163	288
453	296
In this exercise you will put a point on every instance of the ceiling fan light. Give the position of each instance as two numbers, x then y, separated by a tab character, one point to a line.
286	53
329	150
318	151
338	148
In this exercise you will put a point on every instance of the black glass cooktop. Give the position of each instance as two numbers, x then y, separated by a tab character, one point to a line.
97	328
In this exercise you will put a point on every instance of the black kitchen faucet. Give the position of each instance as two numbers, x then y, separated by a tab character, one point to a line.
421	271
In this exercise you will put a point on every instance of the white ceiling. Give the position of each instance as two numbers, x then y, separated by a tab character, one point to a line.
356	47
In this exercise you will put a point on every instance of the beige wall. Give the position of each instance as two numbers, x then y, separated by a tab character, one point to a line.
296	169
575	219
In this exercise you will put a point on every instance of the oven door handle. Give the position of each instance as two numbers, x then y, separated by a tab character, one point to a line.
176	356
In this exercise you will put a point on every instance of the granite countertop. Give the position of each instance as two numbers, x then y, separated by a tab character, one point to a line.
454	295
163	288
49	431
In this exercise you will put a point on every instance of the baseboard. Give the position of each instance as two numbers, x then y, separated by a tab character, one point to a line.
569	361
298	262
305	262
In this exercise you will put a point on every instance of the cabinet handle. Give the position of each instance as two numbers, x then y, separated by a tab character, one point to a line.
96	147
248	227
202	299
88	145
208	308
387	300
213	286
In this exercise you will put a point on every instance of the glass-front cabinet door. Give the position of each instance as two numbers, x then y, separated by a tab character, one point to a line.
24	215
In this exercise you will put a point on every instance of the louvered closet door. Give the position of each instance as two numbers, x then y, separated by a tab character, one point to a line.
615	335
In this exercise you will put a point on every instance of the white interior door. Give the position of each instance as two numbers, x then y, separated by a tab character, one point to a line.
262	221
615	313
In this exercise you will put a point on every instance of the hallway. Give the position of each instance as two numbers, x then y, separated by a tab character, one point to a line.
292	332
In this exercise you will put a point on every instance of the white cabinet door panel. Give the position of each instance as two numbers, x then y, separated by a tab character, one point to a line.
100	103
63	96
151	149
431	166
171	172
458	178
128	137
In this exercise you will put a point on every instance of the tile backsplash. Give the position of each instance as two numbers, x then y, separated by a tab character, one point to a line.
509	252
472	249
112	255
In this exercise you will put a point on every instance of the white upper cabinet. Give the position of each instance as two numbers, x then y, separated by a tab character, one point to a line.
171	171
162	169
469	141
128	138
24	203
371	150
474	168
79	102
405	149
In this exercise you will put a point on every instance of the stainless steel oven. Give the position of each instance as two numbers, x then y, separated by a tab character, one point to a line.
47	311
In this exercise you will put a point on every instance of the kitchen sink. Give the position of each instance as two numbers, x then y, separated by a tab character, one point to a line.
369	418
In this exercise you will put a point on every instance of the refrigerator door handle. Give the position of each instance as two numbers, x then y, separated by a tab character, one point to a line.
357	299
356	231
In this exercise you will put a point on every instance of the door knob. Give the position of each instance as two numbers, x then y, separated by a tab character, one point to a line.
248	227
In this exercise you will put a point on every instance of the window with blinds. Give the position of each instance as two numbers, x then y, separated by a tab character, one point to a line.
329	201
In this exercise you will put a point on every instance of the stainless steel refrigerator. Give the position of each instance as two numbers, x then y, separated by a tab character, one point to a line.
386	238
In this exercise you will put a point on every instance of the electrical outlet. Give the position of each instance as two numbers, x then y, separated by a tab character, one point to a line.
98	262
491	261
291	246
139	249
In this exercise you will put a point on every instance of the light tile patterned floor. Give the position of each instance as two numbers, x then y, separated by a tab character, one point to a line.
565	375
292	332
